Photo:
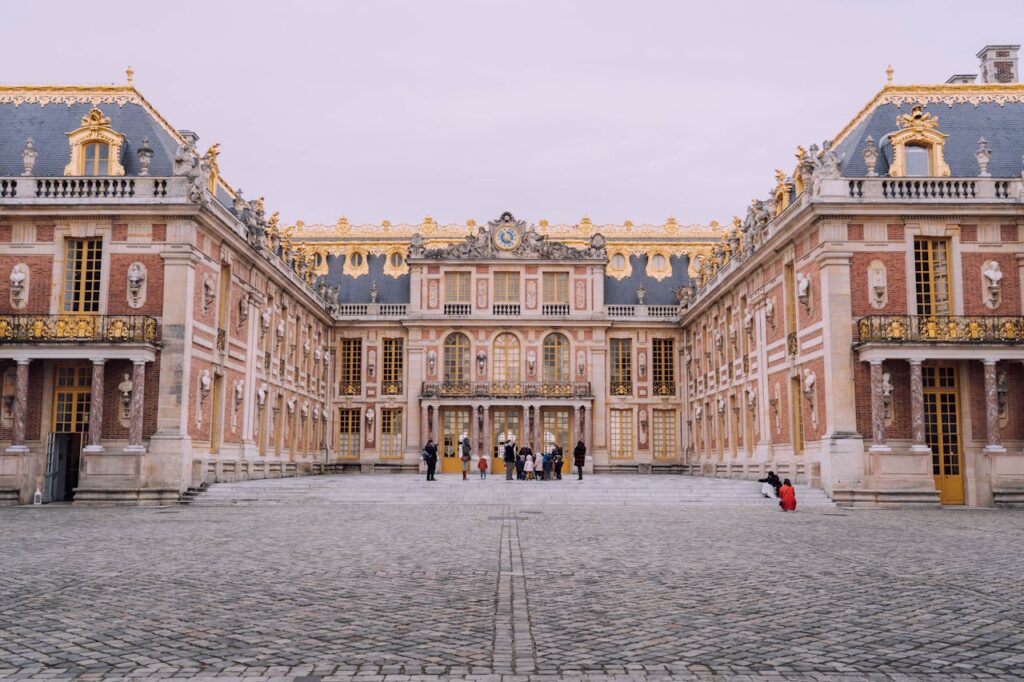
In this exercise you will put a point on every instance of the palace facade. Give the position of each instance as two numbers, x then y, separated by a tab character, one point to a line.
860	329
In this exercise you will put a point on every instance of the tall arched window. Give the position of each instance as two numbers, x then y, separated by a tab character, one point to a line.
456	359
556	359
505	362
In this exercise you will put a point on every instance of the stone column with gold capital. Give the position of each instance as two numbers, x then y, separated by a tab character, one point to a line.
877	408
917	408
138	401
994	437
96	407
20	408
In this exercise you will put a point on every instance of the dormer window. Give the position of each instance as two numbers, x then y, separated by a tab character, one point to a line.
95	148
916	159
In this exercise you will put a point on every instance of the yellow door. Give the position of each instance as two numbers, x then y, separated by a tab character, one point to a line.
556	432
505	428
942	431
454	428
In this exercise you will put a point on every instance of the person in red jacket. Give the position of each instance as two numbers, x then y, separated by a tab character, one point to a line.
787	496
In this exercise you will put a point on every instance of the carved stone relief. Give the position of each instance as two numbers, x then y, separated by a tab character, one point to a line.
19	285
878	291
581	294
531	294
136	281
481	293
432	293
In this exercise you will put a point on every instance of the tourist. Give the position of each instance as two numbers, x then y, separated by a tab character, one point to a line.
546	470
520	464
787	496
510	460
467	457
770	485
557	458
528	465
579	457
482	466
430	457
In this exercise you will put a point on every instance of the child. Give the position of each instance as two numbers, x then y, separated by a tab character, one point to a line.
528	467
482	466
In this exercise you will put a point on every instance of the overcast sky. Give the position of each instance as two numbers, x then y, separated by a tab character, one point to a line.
550	109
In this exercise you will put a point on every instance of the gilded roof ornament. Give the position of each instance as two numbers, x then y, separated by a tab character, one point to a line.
95	119
917	119
888	73
129	74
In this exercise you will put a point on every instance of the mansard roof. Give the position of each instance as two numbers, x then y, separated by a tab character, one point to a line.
965	112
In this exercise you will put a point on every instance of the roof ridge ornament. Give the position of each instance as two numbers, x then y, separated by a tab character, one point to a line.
917	118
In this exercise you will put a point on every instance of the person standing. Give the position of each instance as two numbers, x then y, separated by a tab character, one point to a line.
510	460
520	465
467	457
556	459
787	496
430	457
547	460
482	466
528	465
579	457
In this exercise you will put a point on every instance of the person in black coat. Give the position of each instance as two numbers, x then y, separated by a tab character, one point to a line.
510	460
579	458
556	461
771	481
430	457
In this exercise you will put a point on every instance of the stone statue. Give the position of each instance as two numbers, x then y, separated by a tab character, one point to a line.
416	247
803	288
809	380
983	156
261	395
145	154
28	158
373	291
125	389
19	279
291	405
204	383
870	156
992	274
641	292
887	387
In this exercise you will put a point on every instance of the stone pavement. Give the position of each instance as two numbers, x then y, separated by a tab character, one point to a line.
384	578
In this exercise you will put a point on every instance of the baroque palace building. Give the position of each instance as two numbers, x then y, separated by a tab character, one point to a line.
861	329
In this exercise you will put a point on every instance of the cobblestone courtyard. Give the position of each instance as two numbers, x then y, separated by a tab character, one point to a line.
371	576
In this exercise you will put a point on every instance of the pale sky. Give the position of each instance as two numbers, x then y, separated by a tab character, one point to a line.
550	109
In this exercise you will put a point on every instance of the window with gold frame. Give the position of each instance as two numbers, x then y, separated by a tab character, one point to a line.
555	359
391	433
456	359
505	362
556	288
621	434
83	260
622	366
456	287
663	367
350	366
348	433
72	398
933	284
663	434
393	361
506	287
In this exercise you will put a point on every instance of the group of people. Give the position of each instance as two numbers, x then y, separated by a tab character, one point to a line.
780	489
519	461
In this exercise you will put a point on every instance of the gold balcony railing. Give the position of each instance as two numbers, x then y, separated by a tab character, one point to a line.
505	389
964	329
78	328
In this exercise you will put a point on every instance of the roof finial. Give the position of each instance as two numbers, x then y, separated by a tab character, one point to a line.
888	73
130	73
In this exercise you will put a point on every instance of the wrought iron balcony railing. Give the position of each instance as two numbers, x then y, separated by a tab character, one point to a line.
504	389
621	387
350	387
391	388
78	328
940	329
664	388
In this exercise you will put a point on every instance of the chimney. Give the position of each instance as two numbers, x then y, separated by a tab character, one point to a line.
189	136
998	63
962	78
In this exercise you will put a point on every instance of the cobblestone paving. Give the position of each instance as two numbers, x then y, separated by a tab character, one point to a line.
434	587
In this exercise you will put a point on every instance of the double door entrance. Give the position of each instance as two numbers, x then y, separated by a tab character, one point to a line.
72	395
942	431
507	426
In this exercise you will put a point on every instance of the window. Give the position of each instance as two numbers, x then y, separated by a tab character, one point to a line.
621	446
396	260
618	261
506	287
663	434
505	363
556	359
658	262
96	161
931	277
456	287
456	359
391	376
356	259
622	366
556	288
916	158
350	366
391	433
663	371
82	261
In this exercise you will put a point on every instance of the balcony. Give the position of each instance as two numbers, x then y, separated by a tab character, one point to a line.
391	388
350	388
929	189
505	310
646	312
664	388
959	329
120	188
504	389
78	328
458	309
621	387
370	310
554	309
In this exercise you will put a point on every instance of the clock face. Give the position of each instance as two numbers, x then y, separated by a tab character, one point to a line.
506	238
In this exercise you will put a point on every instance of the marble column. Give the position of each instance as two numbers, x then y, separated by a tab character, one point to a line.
425	432
877	409
917	408
473	428
20	408
96	408
994	437
485	437
138	400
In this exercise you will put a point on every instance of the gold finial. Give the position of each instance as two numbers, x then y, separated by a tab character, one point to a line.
130	73
888	73
800	153
780	176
